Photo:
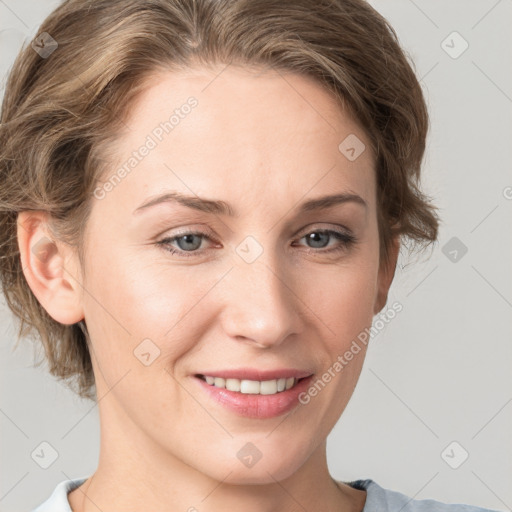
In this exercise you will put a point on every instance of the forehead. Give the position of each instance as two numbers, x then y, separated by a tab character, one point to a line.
231	131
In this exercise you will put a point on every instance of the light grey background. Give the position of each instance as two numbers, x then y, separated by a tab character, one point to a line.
441	370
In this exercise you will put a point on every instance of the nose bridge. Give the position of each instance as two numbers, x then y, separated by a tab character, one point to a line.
260	304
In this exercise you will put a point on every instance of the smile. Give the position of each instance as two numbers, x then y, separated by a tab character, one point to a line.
251	387
252	392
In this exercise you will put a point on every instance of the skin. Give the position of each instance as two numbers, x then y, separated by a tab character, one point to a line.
263	142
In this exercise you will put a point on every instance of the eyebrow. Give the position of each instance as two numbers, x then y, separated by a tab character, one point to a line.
218	207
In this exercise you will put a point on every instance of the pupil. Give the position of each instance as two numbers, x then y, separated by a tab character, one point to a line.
314	237
188	240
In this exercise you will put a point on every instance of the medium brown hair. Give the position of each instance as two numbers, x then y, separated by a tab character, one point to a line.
61	112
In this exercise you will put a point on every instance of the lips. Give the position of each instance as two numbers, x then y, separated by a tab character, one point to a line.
255	393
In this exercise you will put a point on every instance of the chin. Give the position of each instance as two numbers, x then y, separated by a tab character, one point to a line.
265	470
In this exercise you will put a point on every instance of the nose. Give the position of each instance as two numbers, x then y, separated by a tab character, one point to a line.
261	306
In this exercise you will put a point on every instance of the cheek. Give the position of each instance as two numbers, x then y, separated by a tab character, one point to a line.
143	298
343	296
343	300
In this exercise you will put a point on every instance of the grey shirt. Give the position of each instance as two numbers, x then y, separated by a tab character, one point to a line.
378	499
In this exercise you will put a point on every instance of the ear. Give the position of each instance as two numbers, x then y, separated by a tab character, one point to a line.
386	275
50	268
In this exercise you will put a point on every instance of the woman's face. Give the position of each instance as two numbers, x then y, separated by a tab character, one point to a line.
255	284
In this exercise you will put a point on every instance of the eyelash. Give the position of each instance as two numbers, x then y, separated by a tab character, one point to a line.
347	241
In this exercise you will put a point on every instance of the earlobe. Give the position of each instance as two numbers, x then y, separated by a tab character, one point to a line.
386	275
50	268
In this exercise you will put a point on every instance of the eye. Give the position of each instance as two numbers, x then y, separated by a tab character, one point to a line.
187	242
321	237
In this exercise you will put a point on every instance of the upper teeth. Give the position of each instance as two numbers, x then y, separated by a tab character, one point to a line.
254	387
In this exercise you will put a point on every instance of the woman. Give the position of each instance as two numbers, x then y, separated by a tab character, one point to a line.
202	210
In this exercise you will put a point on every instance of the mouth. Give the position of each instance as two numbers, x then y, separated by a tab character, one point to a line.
275	394
252	387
